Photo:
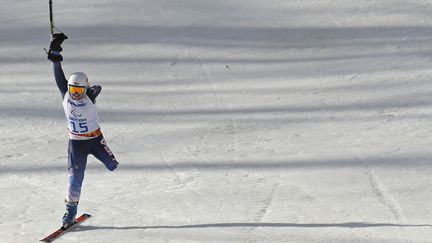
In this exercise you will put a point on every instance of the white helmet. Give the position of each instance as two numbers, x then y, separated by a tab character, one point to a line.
78	79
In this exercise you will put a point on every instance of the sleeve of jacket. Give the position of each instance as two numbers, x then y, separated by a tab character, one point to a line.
60	78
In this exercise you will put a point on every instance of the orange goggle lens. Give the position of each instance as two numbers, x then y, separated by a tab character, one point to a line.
76	89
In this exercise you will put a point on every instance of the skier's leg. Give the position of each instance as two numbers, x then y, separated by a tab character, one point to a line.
77	160
77	164
103	153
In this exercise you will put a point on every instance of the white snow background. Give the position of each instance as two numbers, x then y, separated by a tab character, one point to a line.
233	121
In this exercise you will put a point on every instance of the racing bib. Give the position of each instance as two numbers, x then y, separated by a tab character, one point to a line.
82	116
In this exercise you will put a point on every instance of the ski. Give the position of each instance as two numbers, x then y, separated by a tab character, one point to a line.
56	234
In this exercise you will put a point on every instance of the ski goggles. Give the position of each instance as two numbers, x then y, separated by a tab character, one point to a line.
76	89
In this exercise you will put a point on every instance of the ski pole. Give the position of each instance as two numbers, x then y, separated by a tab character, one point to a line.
51	18
59	36
52	26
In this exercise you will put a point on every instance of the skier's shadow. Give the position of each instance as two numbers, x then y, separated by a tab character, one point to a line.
252	225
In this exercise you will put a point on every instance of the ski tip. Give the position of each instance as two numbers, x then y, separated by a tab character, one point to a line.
47	240
87	215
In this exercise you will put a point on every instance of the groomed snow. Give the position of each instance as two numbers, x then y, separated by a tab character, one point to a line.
233	121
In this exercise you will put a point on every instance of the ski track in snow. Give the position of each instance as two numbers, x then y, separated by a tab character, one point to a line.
380	191
384	196
260	215
184	184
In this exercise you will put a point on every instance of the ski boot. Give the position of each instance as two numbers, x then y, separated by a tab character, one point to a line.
69	216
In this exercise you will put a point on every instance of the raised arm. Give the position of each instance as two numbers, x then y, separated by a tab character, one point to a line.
55	56
60	78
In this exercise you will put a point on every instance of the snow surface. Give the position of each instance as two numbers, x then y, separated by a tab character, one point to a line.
233	121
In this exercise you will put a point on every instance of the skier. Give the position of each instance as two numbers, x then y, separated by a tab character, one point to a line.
85	136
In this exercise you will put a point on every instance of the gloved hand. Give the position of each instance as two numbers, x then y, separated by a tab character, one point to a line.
57	41
54	56
94	90
55	47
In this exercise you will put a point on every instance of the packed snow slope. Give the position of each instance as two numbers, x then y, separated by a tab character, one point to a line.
233	121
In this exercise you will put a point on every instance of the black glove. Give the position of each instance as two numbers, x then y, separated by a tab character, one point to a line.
55	47
94	90
55	56
57	41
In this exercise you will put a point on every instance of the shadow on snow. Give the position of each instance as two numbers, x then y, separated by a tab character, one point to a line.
253	225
